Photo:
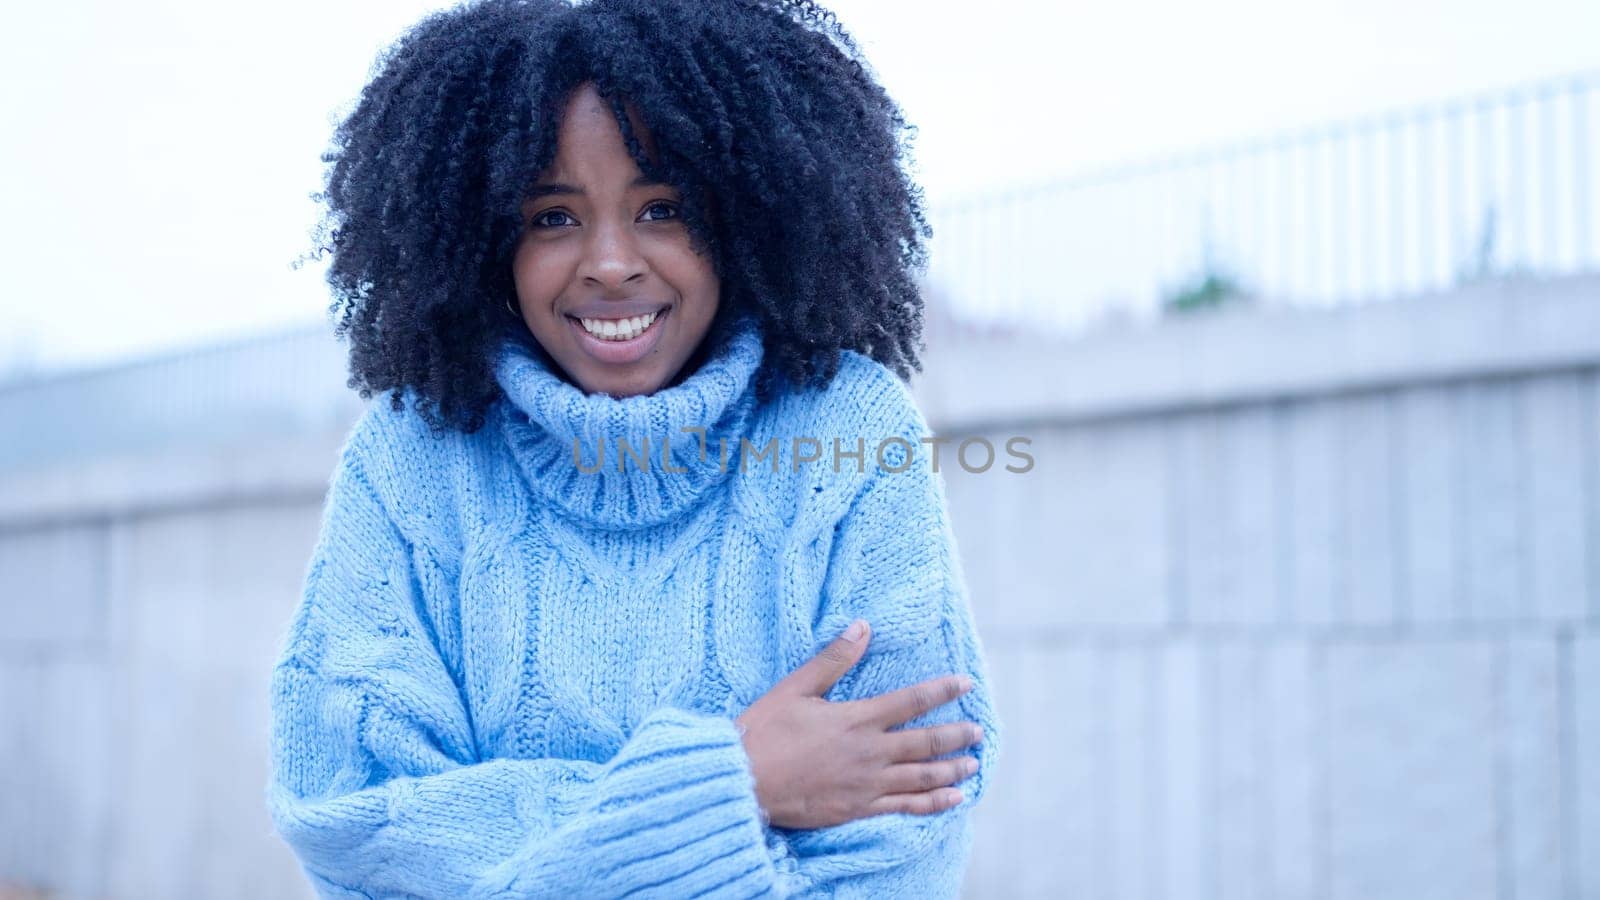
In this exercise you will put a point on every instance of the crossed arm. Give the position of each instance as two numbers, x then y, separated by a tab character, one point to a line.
378	788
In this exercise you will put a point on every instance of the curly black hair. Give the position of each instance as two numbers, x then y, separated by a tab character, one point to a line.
786	152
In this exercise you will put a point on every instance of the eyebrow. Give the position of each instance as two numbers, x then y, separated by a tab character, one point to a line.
553	188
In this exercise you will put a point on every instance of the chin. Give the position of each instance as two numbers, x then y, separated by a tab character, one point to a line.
624	386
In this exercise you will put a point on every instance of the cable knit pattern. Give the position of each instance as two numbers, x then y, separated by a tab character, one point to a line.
508	677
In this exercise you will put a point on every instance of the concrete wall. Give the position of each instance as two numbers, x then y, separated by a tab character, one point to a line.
1295	606
1291	605
133	673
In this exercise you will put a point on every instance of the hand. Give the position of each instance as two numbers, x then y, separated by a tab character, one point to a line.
818	763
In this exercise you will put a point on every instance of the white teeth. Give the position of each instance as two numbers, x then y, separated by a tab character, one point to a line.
618	329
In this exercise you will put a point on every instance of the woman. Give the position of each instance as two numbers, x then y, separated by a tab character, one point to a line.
635	274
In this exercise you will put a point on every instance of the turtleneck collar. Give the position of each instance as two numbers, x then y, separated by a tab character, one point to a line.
544	415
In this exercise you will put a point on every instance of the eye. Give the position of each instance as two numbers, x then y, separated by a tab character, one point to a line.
672	209
539	220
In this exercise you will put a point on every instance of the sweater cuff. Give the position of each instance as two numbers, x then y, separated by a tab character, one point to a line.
791	881
676	812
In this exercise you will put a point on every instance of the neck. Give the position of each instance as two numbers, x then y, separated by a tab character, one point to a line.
570	445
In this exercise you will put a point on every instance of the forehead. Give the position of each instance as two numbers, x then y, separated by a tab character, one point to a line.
589	143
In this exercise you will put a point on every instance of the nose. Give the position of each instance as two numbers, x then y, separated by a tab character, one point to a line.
611	257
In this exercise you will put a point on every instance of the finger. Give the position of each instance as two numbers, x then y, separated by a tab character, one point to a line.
819	673
925	803
911	778
914	744
907	703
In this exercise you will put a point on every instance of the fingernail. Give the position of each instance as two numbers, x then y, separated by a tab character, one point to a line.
954	796
966	683
856	630
977	733
970	765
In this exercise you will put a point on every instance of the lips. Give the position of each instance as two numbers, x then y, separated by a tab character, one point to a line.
620	353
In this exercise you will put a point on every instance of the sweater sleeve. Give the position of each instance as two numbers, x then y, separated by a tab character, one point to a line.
895	564
378	787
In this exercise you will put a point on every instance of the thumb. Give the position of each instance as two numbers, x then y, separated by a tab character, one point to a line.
819	673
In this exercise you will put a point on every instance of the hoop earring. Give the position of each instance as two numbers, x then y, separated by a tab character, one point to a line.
514	313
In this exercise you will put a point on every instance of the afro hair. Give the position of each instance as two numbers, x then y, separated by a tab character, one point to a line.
788	154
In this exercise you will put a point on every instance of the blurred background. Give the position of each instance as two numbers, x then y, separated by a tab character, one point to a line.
1299	304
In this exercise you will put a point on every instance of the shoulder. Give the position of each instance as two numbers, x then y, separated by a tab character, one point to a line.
427	481
869	407
830	443
864	399
395	446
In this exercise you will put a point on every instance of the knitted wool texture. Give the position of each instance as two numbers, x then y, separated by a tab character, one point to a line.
508	677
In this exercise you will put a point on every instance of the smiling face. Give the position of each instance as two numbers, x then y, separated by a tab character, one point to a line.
605	275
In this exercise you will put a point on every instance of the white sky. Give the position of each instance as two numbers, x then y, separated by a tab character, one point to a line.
158	156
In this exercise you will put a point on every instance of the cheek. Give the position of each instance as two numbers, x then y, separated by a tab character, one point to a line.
694	278
537	273
675	260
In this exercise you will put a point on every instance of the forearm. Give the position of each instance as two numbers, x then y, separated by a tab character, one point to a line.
379	788
673	812
828	868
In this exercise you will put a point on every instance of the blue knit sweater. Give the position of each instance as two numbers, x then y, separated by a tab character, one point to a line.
509	677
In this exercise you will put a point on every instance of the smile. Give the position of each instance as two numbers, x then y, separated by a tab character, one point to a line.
618	329
619	341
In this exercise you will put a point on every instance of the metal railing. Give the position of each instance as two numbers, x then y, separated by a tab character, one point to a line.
291	382
1395	205
1398	204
